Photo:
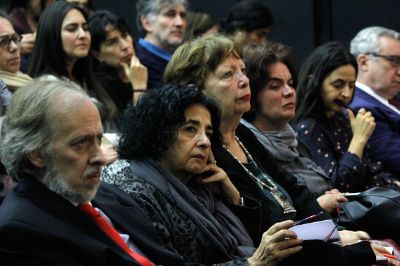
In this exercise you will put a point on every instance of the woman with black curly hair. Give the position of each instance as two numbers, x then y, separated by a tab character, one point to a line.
248	21
166	142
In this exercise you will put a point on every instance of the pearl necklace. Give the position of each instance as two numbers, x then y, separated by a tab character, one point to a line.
278	196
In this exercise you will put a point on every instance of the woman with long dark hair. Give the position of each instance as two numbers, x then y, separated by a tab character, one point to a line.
337	142
62	51
115	63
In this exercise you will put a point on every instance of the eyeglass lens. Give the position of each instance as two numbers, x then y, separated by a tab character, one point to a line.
5	41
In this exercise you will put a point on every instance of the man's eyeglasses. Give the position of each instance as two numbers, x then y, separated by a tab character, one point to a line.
5	41
394	60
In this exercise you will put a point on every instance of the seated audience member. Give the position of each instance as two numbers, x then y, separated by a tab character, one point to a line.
116	66
213	64
199	24
62	52
24	16
248	21
166	143
50	143
377	51
273	77
163	23
337	143
10	58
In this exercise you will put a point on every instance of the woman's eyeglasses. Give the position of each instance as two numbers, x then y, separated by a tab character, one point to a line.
5	41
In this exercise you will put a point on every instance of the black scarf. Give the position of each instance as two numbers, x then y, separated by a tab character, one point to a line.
212	217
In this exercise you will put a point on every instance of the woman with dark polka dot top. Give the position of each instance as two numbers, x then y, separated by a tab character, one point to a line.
337	137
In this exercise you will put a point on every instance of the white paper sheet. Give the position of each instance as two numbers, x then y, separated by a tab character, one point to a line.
316	230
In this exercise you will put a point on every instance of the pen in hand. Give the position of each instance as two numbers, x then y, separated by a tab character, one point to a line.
308	218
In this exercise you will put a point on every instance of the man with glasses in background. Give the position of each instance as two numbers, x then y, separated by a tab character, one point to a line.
377	51
10	60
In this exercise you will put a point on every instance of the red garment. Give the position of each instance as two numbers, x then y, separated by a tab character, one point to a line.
112	233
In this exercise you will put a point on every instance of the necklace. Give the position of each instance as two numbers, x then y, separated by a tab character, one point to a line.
267	184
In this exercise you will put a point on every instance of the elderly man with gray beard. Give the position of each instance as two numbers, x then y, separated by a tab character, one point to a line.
60	213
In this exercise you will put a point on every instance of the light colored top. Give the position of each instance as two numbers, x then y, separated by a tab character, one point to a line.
283	147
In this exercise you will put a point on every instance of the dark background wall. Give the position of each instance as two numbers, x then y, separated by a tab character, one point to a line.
301	24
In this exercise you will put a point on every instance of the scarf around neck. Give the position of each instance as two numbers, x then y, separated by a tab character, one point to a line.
15	80
282	144
213	218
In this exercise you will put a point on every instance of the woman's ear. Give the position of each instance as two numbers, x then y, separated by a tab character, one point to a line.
36	159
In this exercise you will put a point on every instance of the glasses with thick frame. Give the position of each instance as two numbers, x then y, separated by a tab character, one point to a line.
5	41
394	60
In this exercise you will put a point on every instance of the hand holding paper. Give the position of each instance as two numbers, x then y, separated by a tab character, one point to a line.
317	231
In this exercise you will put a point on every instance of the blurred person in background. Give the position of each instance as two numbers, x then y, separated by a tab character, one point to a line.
162	23
62	52
200	24
116	66
24	15
248	21
10	60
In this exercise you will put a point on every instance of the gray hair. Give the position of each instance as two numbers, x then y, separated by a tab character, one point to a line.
368	40
150	8
26	126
